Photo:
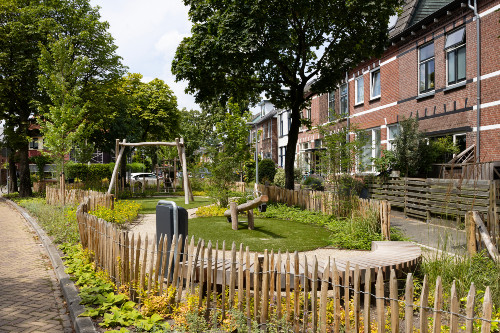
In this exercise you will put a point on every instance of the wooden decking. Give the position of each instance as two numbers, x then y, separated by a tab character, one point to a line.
401	256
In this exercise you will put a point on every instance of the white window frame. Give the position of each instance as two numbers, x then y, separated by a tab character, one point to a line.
390	145
453	48
373	148
372	72
356	83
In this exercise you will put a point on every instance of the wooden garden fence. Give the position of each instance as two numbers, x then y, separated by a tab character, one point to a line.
57	196
269	288
422	198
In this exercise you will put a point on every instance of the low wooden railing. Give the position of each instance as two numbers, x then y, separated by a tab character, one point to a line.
57	196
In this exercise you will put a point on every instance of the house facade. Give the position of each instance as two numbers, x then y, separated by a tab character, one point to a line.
264	131
429	71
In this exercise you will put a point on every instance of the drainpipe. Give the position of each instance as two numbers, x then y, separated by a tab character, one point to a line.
478	61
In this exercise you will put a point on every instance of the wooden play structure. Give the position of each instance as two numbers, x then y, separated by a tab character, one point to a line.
234	210
181	150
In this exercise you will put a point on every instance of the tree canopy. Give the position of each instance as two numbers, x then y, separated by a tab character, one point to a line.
25	26
240	49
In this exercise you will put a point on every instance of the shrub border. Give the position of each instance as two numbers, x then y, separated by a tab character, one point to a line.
68	288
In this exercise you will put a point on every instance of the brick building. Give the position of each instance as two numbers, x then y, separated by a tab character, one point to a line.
429	71
264	130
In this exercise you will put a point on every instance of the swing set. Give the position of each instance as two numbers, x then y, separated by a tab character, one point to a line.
181	150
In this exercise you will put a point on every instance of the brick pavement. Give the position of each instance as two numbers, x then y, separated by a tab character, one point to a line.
30	297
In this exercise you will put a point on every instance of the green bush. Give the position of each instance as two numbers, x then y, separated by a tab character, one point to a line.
89	173
136	167
279	177
267	170
314	183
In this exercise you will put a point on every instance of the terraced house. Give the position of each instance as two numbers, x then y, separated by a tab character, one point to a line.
430	71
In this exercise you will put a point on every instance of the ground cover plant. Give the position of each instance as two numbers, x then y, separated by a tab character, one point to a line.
268	234
58	222
148	205
124	211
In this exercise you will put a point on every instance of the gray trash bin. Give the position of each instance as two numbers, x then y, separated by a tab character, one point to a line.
170	220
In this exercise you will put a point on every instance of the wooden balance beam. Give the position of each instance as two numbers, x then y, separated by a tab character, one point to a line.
234	210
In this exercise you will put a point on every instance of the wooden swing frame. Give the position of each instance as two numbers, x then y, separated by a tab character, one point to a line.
181	150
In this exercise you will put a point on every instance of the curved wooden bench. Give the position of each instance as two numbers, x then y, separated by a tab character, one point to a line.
400	256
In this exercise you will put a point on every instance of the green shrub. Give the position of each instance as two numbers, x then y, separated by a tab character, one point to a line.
314	183
89	173
267	170
279	177
136	167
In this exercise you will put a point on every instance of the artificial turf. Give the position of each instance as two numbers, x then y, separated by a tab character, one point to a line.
268	234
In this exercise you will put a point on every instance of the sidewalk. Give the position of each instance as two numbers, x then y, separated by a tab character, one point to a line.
30	297
444	238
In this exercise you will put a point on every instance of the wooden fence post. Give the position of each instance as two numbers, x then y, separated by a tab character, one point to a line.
233	206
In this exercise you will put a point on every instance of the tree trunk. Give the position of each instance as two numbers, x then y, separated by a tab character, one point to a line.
293	135
12	174
24	172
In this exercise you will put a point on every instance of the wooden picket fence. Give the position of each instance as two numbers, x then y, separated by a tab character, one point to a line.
56	196
265	286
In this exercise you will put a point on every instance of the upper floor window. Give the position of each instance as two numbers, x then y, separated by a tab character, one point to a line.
455	56
308	112
359	90
375	83
269	128
426	68
34	143
344	103
331	106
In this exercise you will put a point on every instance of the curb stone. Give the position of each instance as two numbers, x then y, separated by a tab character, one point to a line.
80	324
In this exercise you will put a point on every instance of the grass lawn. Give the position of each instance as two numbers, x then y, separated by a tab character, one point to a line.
268	234
149	204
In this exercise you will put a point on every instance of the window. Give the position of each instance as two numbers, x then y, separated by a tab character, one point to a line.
34	143
359	87
308	112
455	56
344	103
375	83
331	106
370	150
269	128
392	132
289	117
426	68
282	153
281	124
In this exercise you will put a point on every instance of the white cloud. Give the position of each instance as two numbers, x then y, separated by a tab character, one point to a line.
147	34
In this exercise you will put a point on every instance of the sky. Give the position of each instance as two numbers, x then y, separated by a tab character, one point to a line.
147	33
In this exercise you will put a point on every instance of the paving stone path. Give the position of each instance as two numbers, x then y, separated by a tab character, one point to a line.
30	297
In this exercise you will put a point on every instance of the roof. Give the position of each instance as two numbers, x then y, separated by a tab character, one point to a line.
258	119
415	11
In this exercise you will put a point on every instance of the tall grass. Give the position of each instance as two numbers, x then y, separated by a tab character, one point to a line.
59	223
479	269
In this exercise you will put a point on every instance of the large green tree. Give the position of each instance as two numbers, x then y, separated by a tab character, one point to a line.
25	26
242	47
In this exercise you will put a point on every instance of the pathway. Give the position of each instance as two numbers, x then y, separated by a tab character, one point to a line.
30	297
441	237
